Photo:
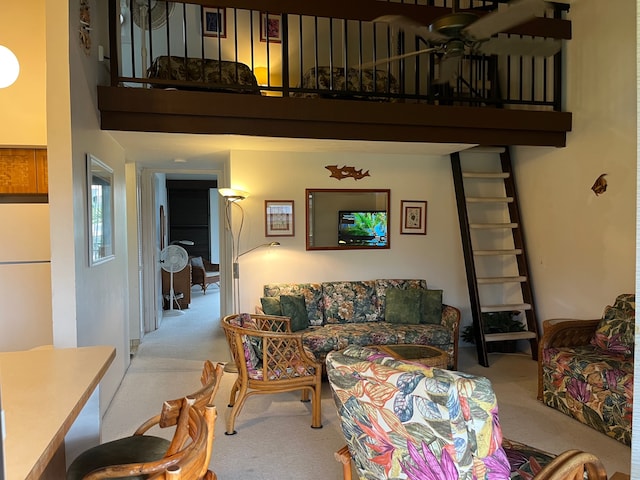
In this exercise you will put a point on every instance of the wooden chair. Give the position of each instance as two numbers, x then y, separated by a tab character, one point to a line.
204	273
270	359
147	449
188	454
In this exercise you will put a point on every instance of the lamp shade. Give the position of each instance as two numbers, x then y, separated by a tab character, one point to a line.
9	67
233	193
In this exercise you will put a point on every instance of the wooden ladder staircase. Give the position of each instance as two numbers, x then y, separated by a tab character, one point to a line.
493	246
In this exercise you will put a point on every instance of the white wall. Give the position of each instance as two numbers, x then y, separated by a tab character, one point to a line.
435	257
582	246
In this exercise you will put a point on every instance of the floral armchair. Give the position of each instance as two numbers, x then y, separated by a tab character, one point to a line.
270	359
403	420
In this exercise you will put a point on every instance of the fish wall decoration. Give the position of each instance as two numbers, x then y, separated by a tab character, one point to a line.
346	172
600	185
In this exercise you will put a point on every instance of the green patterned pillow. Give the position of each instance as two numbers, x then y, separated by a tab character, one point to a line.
271	305
293	307
403	306
431	307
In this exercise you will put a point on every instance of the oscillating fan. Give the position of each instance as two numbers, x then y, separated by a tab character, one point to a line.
173	258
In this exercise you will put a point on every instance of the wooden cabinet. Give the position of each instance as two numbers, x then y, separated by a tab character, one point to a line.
23	171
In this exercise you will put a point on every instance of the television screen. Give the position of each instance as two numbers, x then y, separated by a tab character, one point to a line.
363	228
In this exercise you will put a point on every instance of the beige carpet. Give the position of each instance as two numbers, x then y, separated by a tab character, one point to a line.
275	440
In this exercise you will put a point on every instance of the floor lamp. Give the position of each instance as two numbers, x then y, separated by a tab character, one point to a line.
231	197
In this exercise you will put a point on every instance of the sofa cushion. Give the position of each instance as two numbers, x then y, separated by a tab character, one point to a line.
197	262
383	284
271	305
431	306
293	306
312	293
350	302
403	306
615	332
322	340
591	385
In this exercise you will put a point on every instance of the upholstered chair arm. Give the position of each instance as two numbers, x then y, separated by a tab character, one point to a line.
451	320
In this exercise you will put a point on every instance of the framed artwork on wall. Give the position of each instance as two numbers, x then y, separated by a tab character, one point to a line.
100	211
279	218
214	22
270	27
414	217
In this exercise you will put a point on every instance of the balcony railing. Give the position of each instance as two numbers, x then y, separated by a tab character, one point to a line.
328	50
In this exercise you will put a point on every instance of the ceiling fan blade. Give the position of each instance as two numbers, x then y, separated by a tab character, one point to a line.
449	67
498	21
520	46
396	57
418	28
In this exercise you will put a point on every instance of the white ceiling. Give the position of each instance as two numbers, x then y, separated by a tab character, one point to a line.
160	150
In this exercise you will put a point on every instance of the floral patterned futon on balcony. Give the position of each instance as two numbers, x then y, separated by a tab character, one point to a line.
332	315
592	382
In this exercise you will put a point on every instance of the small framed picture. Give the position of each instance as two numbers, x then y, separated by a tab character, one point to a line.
279	218
270	27
214	22
414	217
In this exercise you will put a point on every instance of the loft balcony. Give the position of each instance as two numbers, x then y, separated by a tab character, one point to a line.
317	70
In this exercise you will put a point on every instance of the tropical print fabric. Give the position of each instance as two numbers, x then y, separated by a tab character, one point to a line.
594	383
352	313
322	340
221	75
350	302
402	420
312	293
591	385
357	82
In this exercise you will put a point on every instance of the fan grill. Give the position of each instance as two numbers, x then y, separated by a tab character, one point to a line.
157	12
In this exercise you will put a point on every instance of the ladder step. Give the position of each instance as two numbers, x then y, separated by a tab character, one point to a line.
487	226
492	280
495	175
481	253
498	337
489	199
505	308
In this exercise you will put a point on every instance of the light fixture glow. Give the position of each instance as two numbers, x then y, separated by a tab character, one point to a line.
9	67
233	194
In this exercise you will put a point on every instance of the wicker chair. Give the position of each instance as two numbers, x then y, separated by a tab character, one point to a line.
402	420
270	359
204	273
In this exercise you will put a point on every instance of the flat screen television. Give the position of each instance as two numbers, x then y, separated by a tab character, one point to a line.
362	228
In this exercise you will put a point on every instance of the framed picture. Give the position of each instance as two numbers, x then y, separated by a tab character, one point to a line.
270	27
279	218
414	217
214	22
100	211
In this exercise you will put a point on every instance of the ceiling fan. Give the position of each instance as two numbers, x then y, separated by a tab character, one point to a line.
457	33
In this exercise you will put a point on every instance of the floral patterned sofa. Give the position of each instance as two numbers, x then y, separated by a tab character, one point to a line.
585	368
333	315
404	421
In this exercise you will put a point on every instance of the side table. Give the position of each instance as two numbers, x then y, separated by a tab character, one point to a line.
428	356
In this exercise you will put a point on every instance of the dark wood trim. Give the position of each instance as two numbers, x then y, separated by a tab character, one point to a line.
368	10
155	110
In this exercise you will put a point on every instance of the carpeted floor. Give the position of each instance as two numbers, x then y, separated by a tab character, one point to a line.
274	439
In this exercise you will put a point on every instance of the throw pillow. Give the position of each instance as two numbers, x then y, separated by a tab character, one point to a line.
293	306
271	305
431	307
197	262
615	331
403	306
